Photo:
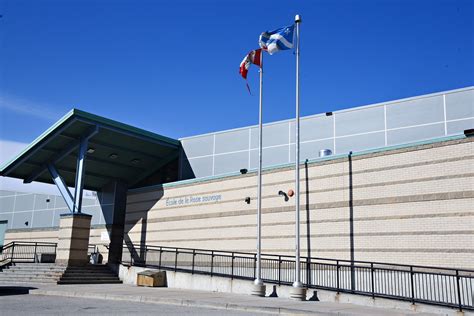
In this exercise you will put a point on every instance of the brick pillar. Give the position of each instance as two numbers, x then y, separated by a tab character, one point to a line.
74	230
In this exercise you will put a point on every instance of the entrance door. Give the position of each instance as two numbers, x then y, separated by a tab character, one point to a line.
3	228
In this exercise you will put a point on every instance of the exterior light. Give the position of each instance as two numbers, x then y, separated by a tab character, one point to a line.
328	113
90	150
243	171
113	156
247	200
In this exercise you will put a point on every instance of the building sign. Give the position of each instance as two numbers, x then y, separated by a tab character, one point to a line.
193	199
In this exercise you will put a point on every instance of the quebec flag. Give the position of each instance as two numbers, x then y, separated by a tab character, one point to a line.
277	40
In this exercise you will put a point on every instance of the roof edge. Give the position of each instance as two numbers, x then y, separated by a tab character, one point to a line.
36	141
76	113
124	126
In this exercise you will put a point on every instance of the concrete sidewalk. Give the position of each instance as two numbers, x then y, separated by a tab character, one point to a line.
224	301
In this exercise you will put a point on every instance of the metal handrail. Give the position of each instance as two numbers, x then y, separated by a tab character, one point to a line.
24	252
415	283
289	257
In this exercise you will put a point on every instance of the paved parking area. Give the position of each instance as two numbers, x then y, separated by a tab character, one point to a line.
118	299
24	304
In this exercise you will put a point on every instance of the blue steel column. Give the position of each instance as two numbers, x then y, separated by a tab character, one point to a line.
59	181
81	157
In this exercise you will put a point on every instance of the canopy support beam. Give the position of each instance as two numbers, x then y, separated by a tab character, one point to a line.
59	181
73	203
79	187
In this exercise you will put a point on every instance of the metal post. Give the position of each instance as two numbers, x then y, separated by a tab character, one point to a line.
212	262
254	264
192	267
145	253
13	251
412	281
81	157
34	256
232	269
176	260
297	282
159	262
372	279
308	271
279	270
458	286
258	278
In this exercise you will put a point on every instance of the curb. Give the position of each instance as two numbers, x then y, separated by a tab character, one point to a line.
180	302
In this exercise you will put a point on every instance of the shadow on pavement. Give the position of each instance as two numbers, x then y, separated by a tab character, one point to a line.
15	290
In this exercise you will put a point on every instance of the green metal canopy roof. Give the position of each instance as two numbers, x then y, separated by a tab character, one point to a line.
116	151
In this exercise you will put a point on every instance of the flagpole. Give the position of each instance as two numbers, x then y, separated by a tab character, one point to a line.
299	292
259	289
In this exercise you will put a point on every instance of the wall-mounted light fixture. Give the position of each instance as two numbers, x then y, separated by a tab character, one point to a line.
243	171
247	200
328	113
90	150
284	195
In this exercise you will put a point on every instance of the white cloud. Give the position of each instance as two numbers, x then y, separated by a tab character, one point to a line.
8	151
27	107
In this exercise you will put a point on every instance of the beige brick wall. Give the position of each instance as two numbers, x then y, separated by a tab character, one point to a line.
412	205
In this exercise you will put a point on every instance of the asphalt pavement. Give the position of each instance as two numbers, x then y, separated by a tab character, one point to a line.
117	299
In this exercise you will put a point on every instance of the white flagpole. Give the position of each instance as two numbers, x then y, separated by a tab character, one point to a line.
297	283
259	287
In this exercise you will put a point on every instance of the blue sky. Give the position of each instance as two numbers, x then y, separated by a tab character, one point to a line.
172	66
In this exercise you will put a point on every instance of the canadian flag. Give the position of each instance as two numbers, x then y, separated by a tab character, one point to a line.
254	57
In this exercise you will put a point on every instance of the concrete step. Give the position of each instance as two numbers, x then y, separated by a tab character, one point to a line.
26	280
88	276
80	281
34	265
38	265
32	273
90	267
85	281
22	274
88	272
33	270
51	273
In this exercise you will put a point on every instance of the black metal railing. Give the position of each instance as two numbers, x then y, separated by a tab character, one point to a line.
24	252
416	284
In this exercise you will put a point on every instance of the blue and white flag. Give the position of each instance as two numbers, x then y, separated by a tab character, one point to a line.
277	40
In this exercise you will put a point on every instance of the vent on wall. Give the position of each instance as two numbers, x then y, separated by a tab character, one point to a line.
325	152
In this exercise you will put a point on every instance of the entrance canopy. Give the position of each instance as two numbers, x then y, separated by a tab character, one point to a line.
89	151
